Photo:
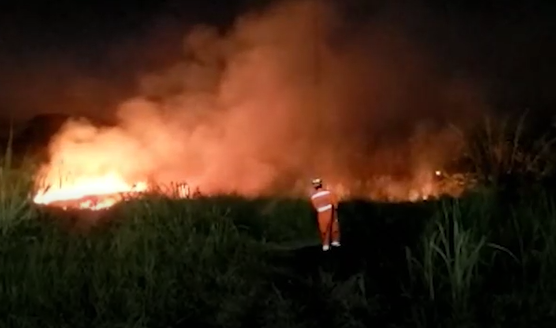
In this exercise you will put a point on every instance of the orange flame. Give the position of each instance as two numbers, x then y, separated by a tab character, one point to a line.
88	192
241	114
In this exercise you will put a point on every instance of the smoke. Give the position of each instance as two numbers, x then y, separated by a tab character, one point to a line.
291	93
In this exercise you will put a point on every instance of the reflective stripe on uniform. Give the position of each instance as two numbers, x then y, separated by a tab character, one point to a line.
324	208
320	193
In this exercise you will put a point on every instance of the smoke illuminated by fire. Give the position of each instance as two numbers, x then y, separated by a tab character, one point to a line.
251	112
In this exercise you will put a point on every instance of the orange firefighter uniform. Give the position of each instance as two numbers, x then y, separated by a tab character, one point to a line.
325	203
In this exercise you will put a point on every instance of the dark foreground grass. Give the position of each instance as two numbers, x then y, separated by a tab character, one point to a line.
228	262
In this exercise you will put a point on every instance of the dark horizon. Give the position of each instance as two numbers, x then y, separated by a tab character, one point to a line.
100	48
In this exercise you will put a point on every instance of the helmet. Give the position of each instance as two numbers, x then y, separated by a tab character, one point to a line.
317	182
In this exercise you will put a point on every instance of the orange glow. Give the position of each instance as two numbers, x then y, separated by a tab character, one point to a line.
105	191
89	192
242	112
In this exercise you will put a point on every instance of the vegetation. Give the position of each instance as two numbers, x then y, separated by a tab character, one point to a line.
486	259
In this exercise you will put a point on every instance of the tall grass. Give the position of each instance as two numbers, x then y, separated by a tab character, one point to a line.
209	262
472	251
509	145
453	247
213	261
15	188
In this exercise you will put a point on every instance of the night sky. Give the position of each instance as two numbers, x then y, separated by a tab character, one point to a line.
44	44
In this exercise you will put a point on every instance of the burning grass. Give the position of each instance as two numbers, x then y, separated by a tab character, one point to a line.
75	178
162	261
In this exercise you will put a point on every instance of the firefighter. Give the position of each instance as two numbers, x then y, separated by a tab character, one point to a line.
326	204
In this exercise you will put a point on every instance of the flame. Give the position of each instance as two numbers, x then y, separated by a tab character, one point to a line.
104	191
240	112
98	192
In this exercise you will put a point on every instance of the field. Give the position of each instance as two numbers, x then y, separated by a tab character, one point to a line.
486	259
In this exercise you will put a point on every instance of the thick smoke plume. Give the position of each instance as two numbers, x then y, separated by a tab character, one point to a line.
286	95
